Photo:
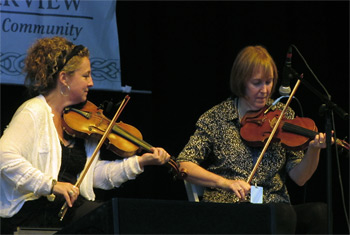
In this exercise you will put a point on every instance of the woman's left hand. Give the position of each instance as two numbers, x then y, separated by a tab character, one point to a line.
158	157
319	141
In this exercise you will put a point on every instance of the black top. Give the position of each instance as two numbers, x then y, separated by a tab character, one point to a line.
73	161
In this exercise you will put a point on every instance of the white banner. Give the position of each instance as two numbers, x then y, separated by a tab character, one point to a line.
90	23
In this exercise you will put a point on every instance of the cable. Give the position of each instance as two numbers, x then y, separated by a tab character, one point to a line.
312	72
335	136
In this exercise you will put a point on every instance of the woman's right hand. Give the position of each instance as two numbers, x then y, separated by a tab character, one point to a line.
69	192
198	175
238	187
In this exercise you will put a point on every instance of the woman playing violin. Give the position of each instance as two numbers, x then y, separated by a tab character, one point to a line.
218	158
39	161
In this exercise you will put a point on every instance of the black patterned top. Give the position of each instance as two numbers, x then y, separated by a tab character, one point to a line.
217	146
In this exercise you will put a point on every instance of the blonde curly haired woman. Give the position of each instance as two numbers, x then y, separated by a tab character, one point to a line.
39	160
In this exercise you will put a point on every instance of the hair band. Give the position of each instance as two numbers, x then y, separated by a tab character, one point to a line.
73	53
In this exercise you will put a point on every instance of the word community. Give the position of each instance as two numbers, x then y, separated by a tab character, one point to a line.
69	30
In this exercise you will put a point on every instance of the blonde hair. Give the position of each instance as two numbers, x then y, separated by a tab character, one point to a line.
43	60
247	62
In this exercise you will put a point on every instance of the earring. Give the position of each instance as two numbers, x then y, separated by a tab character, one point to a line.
65	91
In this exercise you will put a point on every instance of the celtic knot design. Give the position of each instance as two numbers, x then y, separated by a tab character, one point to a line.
12	63
103	69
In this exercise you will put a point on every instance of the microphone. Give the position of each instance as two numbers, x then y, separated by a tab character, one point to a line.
287	74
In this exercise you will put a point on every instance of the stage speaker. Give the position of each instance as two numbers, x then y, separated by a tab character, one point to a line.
143	216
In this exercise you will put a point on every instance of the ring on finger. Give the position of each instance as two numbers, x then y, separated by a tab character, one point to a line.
71	193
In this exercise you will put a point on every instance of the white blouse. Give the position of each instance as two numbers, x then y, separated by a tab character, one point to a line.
30	157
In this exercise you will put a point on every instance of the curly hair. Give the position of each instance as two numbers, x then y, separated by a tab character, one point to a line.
43	60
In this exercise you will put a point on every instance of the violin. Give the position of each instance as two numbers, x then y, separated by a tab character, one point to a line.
294	134
124	139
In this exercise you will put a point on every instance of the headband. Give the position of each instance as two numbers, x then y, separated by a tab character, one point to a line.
73	53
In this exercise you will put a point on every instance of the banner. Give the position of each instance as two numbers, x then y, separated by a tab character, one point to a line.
90	23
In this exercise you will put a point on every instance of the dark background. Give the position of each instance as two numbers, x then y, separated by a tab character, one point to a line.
183	52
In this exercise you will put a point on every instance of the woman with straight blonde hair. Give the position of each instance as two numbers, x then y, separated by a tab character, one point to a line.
217	158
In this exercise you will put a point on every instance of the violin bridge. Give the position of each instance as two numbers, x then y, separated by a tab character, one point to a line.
273	122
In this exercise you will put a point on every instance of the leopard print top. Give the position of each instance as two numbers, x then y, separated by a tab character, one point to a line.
217	146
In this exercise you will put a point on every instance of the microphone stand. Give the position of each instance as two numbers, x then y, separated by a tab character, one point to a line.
326	110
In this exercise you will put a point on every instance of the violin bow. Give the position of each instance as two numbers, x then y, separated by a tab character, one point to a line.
64	208
273	131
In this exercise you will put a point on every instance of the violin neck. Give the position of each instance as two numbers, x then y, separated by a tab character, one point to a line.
299	130
120	131
309	133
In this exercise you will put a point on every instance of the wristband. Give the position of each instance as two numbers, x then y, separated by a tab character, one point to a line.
54	182
51	197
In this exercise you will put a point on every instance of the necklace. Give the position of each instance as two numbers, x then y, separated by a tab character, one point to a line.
238	110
